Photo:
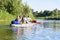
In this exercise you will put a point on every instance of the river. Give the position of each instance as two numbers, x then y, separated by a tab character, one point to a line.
47	30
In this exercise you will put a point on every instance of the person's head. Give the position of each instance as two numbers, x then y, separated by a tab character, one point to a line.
17	18
28	16
24	16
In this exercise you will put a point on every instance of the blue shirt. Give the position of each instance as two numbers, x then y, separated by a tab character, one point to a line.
15	22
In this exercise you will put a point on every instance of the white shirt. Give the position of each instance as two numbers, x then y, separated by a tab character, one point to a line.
25	19
29	19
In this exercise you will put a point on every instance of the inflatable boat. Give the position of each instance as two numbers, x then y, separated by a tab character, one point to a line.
23	25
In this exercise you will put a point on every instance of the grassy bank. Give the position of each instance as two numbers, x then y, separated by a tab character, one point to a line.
5	18
5	34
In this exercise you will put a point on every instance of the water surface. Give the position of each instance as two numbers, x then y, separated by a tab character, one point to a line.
48	30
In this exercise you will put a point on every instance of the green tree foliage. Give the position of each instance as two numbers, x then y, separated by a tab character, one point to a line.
46	13
39	14
26	9
15	7
35	13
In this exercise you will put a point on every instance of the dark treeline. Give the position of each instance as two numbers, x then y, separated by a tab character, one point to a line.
55	14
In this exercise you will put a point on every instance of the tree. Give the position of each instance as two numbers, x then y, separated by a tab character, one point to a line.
15	7
46	13
11	6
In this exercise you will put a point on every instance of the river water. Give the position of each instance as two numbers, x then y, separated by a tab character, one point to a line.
47	30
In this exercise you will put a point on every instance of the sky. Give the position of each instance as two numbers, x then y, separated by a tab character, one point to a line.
41	5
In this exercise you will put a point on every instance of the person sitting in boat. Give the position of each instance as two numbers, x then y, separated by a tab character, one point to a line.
16	21
29	19
24	19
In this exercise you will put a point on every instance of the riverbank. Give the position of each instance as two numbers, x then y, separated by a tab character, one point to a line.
5	18
5	34
47	18
4	22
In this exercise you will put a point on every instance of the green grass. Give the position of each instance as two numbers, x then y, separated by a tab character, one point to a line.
6	16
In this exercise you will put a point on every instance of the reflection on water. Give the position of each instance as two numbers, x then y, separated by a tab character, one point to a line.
48	30
52	24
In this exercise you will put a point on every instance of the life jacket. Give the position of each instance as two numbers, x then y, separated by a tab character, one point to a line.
14	22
